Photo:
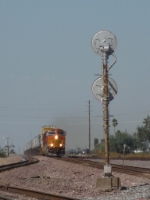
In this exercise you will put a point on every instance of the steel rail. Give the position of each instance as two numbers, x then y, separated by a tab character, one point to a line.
18	164
36	194
138	171
13	164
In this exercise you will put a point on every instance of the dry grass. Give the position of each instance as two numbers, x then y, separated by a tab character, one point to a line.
11	159
117	155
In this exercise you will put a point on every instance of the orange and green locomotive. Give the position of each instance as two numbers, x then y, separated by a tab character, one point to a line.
51	140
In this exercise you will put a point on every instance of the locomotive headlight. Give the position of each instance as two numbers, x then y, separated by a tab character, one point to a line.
52	145
56	137
60	145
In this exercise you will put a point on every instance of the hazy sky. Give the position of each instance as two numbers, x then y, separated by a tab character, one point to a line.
47	67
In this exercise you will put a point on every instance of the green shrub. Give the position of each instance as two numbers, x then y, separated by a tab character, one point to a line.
2	154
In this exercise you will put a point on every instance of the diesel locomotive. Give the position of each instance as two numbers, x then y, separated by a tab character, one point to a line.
51	140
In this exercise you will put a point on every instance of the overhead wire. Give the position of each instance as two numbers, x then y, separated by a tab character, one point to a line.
53	113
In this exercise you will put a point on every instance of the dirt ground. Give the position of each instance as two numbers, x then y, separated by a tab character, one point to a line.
11	159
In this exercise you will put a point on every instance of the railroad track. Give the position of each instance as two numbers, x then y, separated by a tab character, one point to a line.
141	172
137	171
33	193
4	198
18	164
26	192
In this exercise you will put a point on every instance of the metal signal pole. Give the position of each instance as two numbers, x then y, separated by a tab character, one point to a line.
104	88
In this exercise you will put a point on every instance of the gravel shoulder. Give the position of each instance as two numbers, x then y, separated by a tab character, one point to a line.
13	158
74	180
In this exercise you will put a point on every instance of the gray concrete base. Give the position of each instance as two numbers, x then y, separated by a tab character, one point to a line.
108	183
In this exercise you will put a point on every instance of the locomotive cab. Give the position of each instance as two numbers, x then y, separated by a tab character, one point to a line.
54	141
50	140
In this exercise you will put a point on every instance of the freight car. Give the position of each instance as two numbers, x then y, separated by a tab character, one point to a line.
51	140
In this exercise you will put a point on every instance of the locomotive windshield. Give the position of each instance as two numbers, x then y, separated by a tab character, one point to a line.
51	133
61	132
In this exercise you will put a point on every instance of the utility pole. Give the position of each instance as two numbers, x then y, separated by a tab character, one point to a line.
105	107
7	143
89	128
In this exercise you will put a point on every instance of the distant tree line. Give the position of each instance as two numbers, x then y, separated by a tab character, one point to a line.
138	140
4	153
